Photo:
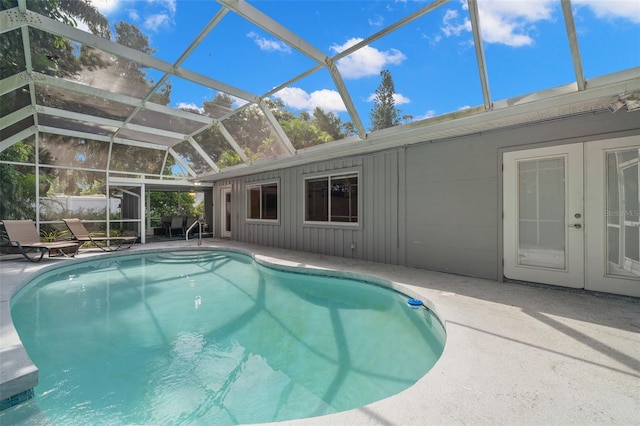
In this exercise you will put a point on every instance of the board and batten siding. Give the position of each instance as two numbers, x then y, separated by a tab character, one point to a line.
378	237
433	205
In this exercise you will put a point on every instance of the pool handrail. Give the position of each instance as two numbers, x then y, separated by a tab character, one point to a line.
186	234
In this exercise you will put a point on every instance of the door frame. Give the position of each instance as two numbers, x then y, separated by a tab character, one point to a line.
572	274
597	277
225	212
594	185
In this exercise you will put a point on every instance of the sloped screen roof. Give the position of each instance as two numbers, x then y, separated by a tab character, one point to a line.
191	89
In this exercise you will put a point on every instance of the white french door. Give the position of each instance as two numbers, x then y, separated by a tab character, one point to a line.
543	215
613	213
571	215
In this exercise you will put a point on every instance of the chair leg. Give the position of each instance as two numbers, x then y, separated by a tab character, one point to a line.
34	259
73	254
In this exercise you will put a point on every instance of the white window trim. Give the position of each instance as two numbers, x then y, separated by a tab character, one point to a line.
352	172
247	201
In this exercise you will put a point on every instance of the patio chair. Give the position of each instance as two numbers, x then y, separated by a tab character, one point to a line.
24	235
82	235
177	224
187	224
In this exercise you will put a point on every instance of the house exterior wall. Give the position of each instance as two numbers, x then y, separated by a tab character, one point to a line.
434	205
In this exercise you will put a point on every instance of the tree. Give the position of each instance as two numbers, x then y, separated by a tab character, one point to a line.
279	110
50	54
303	133
249	128
129	35
330	123
17	183
228	158
164	204
221	105
384	113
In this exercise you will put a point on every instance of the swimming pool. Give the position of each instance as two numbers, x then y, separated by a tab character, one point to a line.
213	337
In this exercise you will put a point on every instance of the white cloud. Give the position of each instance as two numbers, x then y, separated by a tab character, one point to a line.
295	97
376	21
398	98
451	26
106	6
428	114
613	9
157	15
190	106
156	21
366	61
269	45
170	5
133	14
511	22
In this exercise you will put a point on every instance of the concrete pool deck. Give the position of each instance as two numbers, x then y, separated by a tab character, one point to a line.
515	354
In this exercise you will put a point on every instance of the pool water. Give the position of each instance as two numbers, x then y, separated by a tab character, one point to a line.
212	337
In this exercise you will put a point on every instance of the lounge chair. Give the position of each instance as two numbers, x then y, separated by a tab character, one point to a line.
82	235
24	235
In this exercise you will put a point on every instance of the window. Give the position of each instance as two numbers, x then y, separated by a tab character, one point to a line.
262	201
332	199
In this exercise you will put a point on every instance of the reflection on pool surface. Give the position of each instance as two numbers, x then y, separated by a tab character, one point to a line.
211	337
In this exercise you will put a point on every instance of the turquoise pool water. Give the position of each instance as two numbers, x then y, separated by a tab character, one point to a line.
211	337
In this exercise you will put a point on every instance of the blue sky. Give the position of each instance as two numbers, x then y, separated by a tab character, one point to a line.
432	60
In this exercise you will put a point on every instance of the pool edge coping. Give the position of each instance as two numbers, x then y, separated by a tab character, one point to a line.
17	384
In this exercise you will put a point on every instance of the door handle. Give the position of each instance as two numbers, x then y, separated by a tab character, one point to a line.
575	225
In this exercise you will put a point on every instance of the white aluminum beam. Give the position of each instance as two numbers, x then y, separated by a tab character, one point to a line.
13	82
232	142
92	119
15	116
26	47
6	143
50	25
203	34
215	84
115	97
263	21
346	98
278	129
179	160
479	45
307	73
11	19
74	134
203	154
140	144
548	102
415	15
337	78
329	63
101	138
163	181
573	44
